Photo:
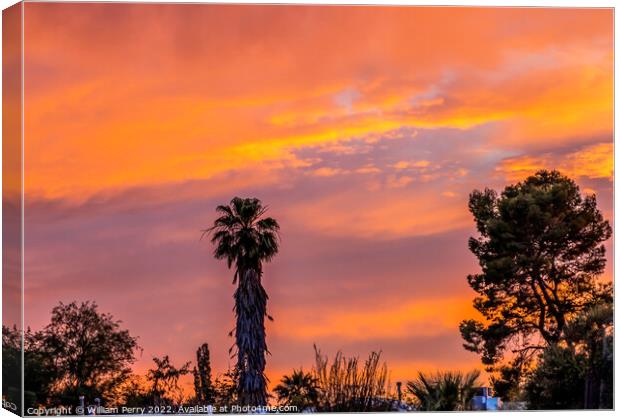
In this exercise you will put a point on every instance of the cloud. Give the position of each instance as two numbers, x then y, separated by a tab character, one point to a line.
327	172
347	98
591	161
391	213
402	165
368	169
142	119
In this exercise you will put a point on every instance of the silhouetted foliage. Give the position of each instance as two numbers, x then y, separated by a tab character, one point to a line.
578	371
225	389
447	391
591	334
245	238
346	385
203	386
39	370
11	362
540	250
299	389
133	392
89	352
164	381
507	382
557	382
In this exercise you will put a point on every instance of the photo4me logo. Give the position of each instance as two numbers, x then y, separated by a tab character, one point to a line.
248	409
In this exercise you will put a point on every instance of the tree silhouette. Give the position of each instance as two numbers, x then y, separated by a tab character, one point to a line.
245	239
507	382
134	392
202	376
299	389
40	372
591	335
90	352
225	389
540	250
164	379
557	381
11	363
578	371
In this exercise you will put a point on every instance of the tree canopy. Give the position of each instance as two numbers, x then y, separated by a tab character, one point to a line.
90	351
540	250
164	381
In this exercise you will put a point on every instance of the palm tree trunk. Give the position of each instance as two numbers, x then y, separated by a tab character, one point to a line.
250	309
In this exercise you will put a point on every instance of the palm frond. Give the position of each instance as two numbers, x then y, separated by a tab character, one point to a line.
447	391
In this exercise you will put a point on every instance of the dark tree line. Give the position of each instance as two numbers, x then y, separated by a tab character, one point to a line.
83	352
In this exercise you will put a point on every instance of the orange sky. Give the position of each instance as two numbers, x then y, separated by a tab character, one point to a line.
363	128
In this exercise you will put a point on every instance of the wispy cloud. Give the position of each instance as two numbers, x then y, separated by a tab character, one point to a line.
592	161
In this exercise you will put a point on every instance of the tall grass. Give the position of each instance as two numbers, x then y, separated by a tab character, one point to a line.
348	385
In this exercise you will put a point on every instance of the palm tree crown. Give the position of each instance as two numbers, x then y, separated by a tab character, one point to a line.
448	391
300	389
242	236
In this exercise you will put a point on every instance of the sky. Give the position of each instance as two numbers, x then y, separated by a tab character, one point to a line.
364	129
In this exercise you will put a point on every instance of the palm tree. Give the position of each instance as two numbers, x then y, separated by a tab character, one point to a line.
246	239
299	389
448	391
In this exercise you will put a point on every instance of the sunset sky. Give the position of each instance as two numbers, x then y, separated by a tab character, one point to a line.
363	128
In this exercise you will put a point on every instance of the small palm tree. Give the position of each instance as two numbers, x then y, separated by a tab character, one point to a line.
448	391
299	389
246	239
